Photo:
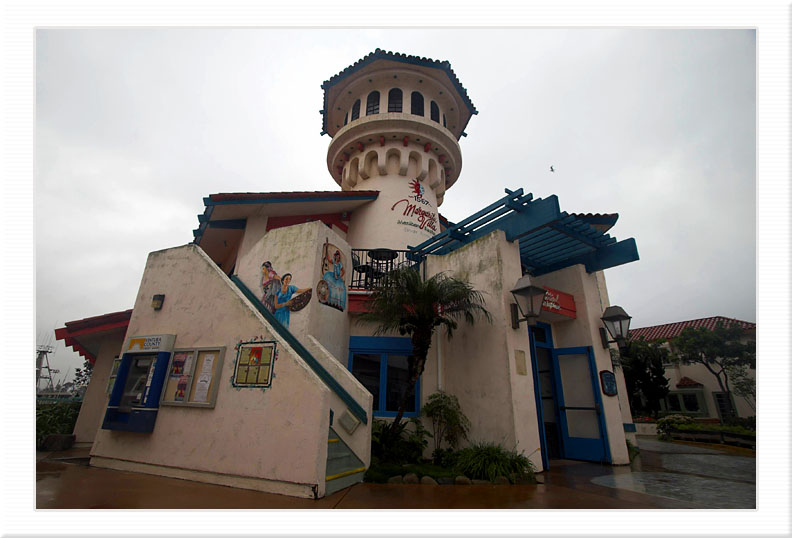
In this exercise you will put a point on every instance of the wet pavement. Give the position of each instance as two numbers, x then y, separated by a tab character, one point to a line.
665	475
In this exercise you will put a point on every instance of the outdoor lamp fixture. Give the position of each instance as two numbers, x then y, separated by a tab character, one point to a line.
157	300
617	321
529	302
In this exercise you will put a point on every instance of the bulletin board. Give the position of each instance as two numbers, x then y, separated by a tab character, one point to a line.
193	377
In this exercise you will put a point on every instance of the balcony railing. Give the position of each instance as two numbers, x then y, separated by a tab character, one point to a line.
371	266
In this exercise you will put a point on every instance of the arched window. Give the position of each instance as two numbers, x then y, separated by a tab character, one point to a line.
372	103
395	100
416	104
434	112
355	110
346	118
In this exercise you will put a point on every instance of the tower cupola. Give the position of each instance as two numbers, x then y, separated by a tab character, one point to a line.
395	122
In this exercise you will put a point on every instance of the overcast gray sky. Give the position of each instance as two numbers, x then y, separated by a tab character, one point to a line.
135	126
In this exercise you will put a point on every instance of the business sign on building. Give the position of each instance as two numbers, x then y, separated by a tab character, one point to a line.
558	306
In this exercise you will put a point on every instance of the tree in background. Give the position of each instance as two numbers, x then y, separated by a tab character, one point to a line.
82	376
743	383
644	375
718	350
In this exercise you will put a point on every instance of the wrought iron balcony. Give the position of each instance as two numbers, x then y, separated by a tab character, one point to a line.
371	266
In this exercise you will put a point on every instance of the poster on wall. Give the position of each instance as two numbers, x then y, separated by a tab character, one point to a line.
416	212
280	296
254	364
331	289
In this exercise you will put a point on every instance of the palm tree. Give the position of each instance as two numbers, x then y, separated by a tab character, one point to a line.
406	303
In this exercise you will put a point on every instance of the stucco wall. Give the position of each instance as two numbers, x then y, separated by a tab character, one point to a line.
298	250
584	331
278	434
95	399
478	364
699	372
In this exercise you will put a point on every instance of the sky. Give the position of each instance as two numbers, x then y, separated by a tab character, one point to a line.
135	126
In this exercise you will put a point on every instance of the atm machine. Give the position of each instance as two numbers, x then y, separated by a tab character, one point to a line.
135	398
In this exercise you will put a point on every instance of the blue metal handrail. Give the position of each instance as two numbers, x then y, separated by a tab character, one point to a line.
284	333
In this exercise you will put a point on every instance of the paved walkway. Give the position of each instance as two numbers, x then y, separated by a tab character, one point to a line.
63	480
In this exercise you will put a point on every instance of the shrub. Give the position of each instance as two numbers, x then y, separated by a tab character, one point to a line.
748	423
449	423
632	450
444	457
58	417
487	461
697	427
665	424
406	447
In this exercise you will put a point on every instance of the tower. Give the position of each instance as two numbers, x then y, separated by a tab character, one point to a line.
395	122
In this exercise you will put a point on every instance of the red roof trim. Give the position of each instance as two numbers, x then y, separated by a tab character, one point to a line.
232	196
672	330
96	324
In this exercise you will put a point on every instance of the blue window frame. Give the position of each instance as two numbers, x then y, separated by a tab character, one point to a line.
380	364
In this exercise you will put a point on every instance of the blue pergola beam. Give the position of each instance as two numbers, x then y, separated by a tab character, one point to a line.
599	259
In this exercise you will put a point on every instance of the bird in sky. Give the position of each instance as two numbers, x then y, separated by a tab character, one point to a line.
552	169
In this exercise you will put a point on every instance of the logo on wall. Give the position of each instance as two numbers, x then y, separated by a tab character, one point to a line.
280	296
416	210
331	289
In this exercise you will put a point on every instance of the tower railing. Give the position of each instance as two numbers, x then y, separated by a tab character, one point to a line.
371	266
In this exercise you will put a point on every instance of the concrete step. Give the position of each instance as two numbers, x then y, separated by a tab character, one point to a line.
331	486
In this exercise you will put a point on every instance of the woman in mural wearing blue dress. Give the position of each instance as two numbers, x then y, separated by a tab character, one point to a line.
335	281
283	299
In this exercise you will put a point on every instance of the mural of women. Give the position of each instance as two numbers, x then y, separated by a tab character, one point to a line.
332	279
270	282
283	299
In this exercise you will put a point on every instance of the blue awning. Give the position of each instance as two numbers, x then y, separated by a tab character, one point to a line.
549	239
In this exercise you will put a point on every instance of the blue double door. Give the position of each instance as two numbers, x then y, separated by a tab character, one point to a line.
569	402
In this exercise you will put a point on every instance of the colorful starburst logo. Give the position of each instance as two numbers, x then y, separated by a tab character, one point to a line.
417	188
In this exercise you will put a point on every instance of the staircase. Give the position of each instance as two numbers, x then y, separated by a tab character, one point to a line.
343	468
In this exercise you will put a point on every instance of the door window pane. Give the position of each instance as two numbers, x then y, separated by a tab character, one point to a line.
398	379
366	368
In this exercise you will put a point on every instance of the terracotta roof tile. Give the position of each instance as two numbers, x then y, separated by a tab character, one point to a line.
672	330
687	382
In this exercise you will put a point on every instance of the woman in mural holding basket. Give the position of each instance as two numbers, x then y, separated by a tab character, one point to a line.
284	303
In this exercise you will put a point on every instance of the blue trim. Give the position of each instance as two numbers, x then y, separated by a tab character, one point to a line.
630	428
230	224
549	239
577	447
354	407
384	346
538	400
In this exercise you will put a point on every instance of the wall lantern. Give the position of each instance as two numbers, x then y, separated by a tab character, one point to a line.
529	302
156	301
617	321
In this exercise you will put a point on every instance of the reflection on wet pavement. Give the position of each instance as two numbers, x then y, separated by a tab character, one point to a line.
705	492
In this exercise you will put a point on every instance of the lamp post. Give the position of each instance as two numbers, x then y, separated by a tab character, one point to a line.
529	302
617	323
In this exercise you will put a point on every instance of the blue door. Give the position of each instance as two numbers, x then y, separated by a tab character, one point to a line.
581	421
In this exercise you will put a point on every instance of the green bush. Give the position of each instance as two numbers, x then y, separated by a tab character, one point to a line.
698	427
449	423
487	461
406	447
667	423
748	423
632	450
58	417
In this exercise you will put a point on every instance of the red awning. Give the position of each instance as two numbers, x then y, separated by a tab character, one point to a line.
78	334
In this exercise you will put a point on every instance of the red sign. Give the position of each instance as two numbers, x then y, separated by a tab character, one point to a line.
559	302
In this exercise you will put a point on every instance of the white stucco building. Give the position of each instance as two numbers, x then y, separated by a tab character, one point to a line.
242	363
